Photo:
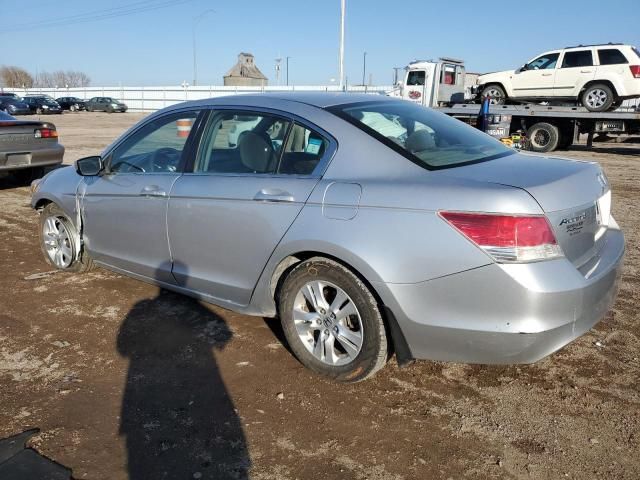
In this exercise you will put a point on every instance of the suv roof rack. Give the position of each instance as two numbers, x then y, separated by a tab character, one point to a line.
596	45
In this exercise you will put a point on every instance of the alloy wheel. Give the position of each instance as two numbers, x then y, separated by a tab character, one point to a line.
328	323
57	242
596	98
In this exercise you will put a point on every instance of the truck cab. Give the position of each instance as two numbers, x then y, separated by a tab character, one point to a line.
433	83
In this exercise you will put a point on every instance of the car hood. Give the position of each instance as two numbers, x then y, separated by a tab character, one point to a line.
494	76
555	183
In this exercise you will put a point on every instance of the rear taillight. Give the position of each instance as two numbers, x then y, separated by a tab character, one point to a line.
507	238
45	133
635	70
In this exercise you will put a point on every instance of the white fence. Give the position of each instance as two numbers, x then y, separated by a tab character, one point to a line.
145	99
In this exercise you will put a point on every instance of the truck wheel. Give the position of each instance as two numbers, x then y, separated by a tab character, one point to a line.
544	137
598	97
496	94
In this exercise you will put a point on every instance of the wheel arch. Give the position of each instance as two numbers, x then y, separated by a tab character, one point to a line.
398	343
606	82
497	83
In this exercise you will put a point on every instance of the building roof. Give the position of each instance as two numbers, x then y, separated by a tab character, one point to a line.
245	67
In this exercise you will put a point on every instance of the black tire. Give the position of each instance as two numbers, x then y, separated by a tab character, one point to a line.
374	350
81	261
38	111
27	175
496	94
598	97
543	136
109	109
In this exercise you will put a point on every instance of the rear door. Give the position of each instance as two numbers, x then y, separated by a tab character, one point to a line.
576	69
253	173
125	209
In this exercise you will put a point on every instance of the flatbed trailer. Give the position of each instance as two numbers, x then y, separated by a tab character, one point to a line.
548	127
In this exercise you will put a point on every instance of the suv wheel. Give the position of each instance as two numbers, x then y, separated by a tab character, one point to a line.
598	98
496	94
332	321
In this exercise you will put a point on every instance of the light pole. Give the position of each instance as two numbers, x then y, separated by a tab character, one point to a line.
364	68
196	20
288	70
341	52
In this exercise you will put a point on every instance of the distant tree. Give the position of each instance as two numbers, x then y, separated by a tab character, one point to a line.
15	77
61	79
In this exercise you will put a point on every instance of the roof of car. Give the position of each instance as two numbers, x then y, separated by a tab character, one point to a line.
316	99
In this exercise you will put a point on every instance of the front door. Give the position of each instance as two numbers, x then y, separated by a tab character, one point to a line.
536	78
252	176
125	209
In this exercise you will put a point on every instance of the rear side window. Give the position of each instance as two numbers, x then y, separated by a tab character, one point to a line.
242	142
635	50
611	56
303	151
416	78
579	58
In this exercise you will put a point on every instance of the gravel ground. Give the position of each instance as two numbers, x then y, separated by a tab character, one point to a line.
129	382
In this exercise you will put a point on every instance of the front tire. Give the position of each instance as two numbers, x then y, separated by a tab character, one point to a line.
332	321
58	241
496	94
598	98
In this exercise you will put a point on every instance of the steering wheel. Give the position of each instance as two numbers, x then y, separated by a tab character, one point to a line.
165	159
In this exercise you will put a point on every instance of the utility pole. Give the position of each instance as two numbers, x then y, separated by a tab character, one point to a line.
364	68
341	56
278	62
196	20
288	70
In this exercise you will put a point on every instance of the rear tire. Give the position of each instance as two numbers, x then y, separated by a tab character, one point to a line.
598	97
58	241
544	137
38	111
332	321
496	94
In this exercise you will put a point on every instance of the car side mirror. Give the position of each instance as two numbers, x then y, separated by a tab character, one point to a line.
90	166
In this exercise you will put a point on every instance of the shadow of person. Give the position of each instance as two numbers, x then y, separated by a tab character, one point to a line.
177	416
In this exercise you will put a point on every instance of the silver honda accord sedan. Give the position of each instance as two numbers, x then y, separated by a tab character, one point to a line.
368	225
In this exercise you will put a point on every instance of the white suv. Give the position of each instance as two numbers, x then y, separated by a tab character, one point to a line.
599	76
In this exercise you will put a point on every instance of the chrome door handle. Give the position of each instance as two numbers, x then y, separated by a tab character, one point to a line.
268	195
152	191
586	71
547	74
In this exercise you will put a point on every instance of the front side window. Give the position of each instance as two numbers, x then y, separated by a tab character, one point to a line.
579	58
156	147
611	56
242	142
416	77
544	62
428	138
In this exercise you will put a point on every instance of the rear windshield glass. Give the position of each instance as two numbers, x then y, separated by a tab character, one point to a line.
429	138
636	51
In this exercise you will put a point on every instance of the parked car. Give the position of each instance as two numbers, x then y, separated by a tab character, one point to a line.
434	241
71	103
105	104
42	104
13	106
27	147
599	76
4	93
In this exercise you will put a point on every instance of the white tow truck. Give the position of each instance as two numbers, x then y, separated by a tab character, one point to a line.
440	84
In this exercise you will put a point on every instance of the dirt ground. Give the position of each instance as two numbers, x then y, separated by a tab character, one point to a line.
127	382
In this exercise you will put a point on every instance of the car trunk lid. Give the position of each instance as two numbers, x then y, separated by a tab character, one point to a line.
574	196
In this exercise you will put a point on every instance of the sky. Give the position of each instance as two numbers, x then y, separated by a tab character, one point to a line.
154	46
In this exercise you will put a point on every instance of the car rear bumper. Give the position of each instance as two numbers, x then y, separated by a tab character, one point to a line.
30	158
506	314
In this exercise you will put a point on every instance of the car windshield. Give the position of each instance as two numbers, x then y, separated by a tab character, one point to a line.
429	138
